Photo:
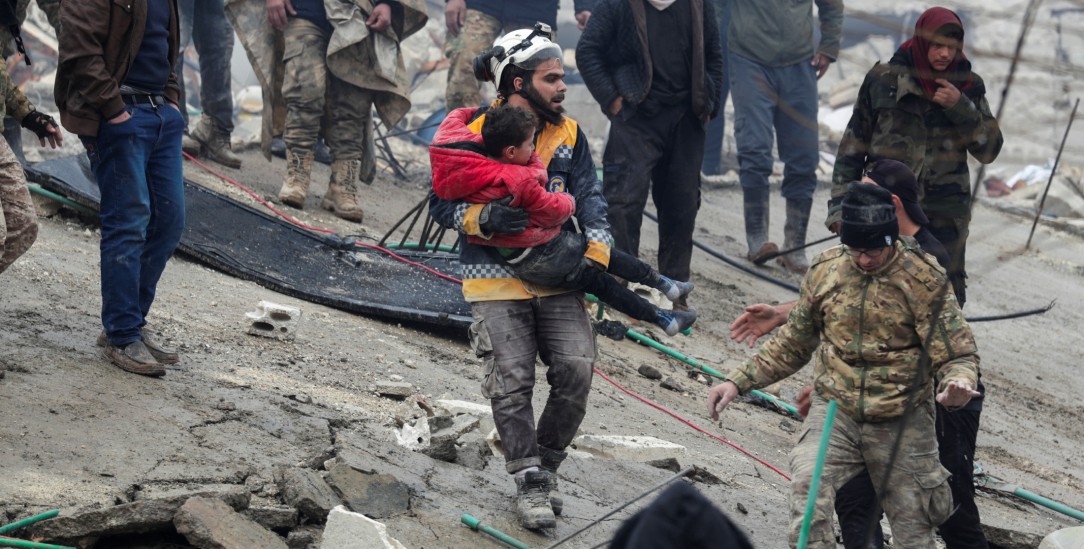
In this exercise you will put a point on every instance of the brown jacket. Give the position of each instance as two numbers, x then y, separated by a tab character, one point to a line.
100	40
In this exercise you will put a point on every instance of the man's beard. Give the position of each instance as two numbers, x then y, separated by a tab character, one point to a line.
542	107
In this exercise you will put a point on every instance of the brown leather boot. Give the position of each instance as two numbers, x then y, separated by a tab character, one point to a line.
298	176
342	191
215	143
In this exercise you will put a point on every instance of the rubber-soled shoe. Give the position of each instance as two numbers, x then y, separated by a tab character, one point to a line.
533	501
164	355
761	255
135	358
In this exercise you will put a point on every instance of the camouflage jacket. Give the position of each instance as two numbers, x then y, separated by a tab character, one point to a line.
893	119
866	331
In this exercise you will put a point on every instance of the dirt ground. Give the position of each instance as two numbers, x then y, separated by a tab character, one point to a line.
77	431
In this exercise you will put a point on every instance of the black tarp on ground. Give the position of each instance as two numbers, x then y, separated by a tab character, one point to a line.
247	243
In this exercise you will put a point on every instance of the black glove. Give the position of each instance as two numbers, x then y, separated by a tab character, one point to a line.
498	217
39	122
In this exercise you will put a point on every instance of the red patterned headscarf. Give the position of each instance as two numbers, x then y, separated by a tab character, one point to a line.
915	52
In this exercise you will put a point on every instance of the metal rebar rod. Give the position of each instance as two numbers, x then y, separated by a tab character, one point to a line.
1053	172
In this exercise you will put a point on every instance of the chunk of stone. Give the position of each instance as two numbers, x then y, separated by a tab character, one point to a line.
628	448
211	524
306	491
378	496
273	518
649	372
274	320
670	383
138	517
442	440
304	537
472	451
483	412
394	389
414	436
348	530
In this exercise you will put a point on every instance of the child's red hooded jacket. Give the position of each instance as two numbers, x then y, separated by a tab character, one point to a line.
462	171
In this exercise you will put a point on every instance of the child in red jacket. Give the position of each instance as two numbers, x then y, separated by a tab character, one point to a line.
500	164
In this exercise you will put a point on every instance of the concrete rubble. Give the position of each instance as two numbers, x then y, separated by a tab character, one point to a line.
211	524
629	448
274	320
378	496
348	530
306	490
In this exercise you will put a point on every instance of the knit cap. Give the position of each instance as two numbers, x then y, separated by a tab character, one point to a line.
869	217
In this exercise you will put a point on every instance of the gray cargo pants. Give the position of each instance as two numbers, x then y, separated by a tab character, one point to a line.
508	335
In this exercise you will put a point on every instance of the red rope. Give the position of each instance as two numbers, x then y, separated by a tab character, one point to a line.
693	425
283	215
456	280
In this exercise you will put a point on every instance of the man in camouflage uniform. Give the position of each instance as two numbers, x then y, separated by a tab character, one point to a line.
474	25
18	220
926	109
326	90
865	311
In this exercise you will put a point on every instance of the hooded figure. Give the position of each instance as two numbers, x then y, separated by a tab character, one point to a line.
927	109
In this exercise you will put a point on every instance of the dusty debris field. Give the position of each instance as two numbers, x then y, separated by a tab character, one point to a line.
78	433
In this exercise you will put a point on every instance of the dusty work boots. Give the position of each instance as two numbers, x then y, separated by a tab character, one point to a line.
215	143
756	205
794	235
298	176
533	500
551	460
342	192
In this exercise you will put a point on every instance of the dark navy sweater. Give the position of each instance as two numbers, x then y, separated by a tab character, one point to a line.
150	69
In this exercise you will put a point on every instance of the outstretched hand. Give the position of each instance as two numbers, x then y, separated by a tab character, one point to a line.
756	321
957	394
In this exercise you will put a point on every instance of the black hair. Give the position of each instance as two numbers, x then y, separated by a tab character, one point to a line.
507	126
507	86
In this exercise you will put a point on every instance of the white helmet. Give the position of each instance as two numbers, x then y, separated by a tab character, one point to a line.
524	48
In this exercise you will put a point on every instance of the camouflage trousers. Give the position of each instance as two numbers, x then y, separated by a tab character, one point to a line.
319	102
918	498
477	35
18	220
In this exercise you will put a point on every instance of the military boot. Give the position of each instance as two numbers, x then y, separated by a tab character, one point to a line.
342	191
215	143
298	176
551	460
533	502
756	205
794	235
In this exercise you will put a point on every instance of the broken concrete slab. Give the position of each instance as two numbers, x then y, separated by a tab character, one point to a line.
1066	538
671	384
348	530
139	517
394	389
305	490
493	440
378	496
483	412
211	524
471	450
628	448
445	431
272	517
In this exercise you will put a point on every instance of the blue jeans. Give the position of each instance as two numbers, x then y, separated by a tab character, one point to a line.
713	139
783	99
138	167
208	28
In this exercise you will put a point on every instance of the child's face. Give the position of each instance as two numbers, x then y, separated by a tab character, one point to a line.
522	154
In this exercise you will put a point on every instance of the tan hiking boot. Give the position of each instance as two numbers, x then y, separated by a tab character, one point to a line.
298	176
533	501
190	146
215	143
135	358
164	355
342	191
